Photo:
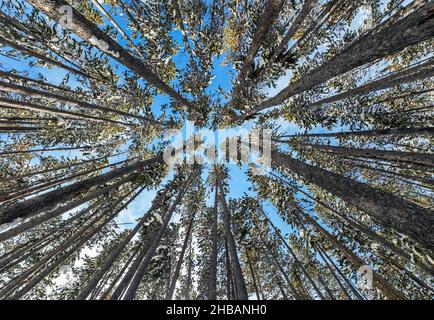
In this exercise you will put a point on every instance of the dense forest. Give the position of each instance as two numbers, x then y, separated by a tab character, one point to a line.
90	91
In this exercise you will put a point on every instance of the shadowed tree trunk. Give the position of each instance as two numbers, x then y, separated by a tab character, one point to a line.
71	246
34	93
295	26
429	131
252	272
116	252
120	274
57	212
378	281
419	72
14	104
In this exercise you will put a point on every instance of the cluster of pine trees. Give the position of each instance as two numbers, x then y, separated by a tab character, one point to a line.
344	213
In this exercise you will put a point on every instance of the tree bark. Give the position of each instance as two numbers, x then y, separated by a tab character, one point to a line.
114	254
429	131
34	93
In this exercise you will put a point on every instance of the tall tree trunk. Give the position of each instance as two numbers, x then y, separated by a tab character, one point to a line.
70	246
378	281
297	261
14	104
181	27
416	73
252	272
68	166
347	281
58	211
320	251
390	211
39	56
295	26
235	263
34	93
120	274
429	131
122	286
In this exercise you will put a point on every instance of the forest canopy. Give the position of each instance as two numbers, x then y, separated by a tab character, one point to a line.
319	188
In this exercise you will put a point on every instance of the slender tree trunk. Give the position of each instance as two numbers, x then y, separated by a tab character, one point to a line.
212	284
252	272
418	160
19	254
320	251
347	281
13	104
297	261
184	33
34	93
44	58
295	26
143	267
122	286
429	131
57	212
230	290
120	274
282	291
114	254
416	73
71	245
379	282
38	172
187	295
